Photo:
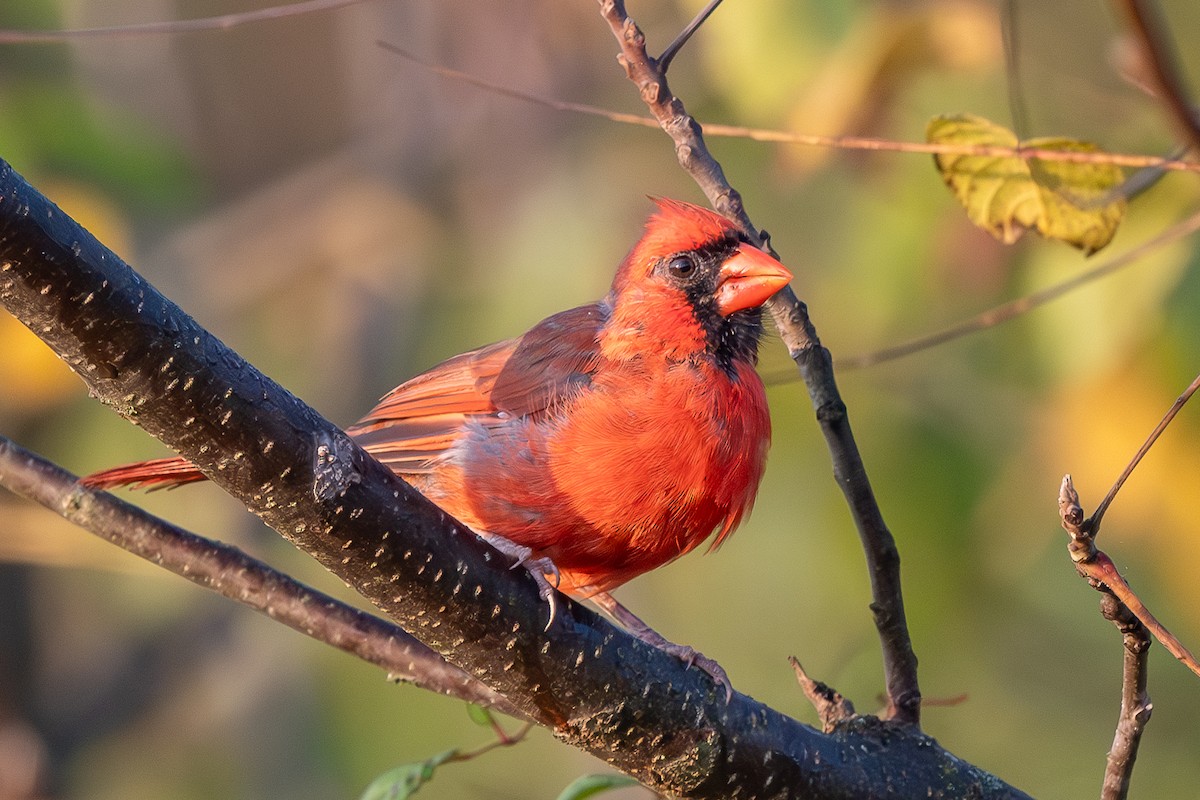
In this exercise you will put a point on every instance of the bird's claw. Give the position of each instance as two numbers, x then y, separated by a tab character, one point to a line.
694	658
537	567
640	630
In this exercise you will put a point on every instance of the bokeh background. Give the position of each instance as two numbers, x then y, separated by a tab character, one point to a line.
344	218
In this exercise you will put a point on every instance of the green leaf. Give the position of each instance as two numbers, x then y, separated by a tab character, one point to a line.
592	785
403	782
480	715
1064	200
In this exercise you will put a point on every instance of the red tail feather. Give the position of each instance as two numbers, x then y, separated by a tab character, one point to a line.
161	473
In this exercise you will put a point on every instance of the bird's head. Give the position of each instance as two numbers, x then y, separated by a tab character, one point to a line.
693	283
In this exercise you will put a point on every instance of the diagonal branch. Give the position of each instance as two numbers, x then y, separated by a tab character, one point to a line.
1093	524
1146	23
598	688
816	367
668	55
231	573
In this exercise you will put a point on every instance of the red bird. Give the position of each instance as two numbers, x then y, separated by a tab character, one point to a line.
608	440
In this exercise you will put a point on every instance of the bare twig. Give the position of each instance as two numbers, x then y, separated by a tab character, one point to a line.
404	781
1135	700
1100	571
220	22
816	366
1147	25
1016	100
832	708
1180	402
234	574
503	739
1095	565
664	61
1011	310
1171	163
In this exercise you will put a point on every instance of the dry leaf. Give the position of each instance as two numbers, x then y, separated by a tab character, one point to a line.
1069	201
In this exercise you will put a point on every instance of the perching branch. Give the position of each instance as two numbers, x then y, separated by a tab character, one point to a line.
231	573
596	687
816	367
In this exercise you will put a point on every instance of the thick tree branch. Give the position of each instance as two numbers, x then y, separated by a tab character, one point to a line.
234	574
596	687
816	367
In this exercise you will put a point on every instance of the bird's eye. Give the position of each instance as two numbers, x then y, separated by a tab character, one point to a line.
681	267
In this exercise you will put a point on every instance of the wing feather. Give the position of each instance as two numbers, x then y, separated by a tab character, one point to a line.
525	377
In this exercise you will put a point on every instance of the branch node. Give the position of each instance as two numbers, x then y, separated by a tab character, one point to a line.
831	411
334	471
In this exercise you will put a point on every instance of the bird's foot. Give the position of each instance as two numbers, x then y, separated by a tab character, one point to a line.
688	655
538	568
694	658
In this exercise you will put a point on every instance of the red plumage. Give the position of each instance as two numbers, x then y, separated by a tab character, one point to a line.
610	438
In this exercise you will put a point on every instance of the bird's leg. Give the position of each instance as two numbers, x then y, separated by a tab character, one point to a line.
689	656
537	567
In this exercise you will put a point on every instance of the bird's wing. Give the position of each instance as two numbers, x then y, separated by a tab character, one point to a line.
523	377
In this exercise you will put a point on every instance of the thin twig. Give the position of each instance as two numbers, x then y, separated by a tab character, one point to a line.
1100	571
503	739
230	572
1180	402
1148	26
1015	308
1016	102
816	367
668	55
1135	699
867	143
220	22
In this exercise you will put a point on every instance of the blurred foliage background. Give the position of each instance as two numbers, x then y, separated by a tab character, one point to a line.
345	219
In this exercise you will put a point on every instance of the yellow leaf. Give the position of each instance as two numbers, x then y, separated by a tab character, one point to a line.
1064	200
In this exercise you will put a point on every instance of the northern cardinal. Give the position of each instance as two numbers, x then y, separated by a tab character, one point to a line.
608	440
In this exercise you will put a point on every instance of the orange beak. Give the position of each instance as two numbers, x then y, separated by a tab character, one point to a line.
748	279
